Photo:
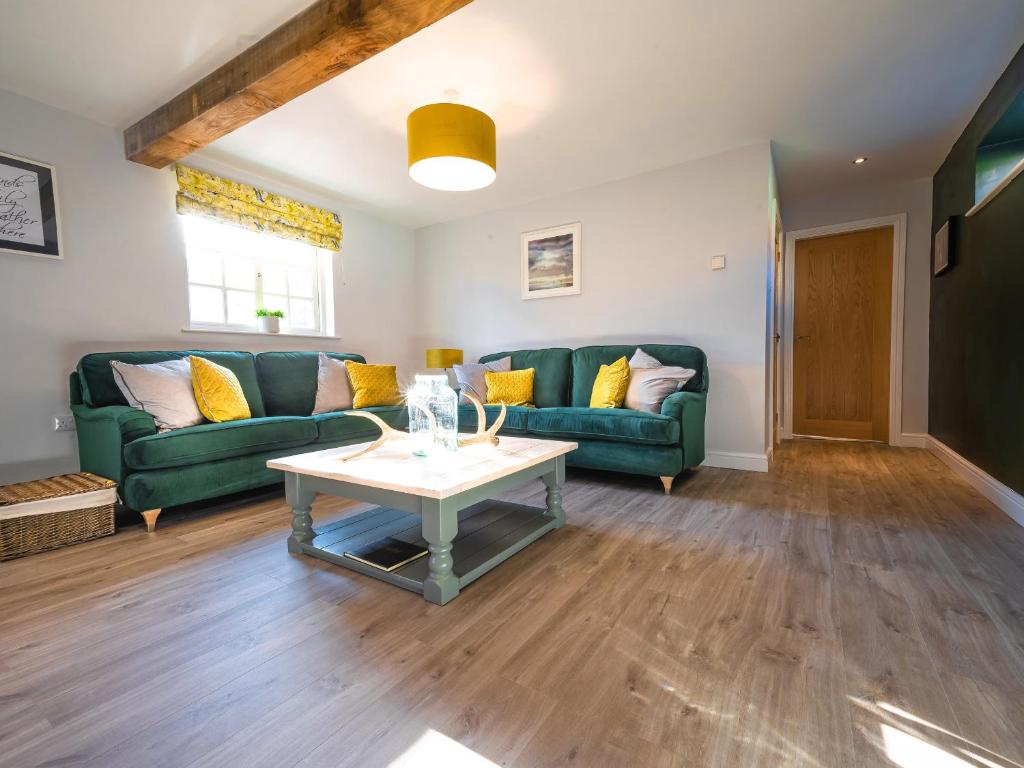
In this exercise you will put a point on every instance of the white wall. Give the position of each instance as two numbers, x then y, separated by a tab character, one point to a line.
647	245
122	284
915	199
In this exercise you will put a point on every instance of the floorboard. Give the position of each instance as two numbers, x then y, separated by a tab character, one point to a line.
856	606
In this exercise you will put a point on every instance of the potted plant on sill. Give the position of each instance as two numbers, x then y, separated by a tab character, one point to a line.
269	320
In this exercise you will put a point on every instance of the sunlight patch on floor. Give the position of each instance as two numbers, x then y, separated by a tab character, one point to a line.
909	741
911	752
902	713
434	748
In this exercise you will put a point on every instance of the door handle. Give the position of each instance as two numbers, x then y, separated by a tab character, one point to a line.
801	338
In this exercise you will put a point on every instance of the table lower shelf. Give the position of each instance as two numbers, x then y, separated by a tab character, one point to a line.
490	532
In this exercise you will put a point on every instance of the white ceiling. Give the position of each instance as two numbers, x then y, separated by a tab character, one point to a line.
115	61
582	91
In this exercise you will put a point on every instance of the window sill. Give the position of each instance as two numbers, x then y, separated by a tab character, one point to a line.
1013	174
229	332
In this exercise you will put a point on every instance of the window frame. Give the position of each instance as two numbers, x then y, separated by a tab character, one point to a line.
322	298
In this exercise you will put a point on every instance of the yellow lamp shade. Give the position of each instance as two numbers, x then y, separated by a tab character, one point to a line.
451	147
443	358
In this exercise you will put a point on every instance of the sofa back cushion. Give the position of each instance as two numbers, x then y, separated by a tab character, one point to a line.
99	389
586	361
551	373
288	380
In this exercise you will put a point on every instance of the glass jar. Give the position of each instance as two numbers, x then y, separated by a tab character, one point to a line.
433	415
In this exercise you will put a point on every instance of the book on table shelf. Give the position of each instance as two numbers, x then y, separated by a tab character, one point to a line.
386	554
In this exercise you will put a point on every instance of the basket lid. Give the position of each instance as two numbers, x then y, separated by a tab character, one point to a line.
52	487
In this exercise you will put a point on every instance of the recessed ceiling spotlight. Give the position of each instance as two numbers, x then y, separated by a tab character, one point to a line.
859	160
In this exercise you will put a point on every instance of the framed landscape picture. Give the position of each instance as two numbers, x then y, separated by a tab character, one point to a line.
29	214
551	261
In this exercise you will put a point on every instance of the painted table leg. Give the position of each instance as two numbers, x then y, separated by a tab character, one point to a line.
554	480
440	526
301	501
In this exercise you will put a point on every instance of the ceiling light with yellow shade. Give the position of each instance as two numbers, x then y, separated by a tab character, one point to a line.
451	147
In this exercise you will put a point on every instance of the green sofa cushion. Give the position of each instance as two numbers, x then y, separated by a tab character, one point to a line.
99	389
211	442
515	417
336	427
288	380
587	360
551	373
171	486
634	459
618	424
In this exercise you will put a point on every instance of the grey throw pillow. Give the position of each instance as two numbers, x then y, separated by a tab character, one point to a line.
163	390
641	359
650	382
471	377
333	389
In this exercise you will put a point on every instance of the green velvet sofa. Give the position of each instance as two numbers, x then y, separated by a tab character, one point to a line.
161	469
615	439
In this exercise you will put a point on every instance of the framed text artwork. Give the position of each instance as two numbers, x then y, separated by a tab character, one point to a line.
29	211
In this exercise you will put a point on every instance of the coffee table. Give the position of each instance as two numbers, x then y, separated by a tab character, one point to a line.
444	501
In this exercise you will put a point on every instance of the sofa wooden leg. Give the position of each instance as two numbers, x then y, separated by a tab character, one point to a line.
150	516
667	482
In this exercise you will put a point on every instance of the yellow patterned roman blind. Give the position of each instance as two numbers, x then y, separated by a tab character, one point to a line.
231	202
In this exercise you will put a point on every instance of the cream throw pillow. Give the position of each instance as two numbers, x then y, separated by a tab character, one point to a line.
650	382
163	390
471	377
333	389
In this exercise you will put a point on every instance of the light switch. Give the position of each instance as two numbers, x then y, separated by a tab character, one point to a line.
718	262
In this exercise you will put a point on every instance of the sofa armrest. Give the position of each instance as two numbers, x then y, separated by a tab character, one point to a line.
103	433
689	408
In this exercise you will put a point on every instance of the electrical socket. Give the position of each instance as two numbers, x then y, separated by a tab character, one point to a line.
64	422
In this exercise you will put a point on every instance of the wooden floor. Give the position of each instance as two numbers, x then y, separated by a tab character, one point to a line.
857	606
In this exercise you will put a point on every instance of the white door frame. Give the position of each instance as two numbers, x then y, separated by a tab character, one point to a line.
898	222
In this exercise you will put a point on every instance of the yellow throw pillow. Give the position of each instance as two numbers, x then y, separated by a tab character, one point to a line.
610	385
373	384
218	393
510	387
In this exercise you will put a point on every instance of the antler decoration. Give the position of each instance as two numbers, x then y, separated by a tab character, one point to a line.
483	435
386	433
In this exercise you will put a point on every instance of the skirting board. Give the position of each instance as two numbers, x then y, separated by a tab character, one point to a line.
752	462
913	440
1004	497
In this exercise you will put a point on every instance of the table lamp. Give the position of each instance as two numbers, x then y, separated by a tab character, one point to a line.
443	358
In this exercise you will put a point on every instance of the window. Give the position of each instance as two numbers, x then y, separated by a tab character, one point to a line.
232	272
999	157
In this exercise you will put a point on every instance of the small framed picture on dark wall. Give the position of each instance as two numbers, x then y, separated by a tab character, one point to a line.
941	250
29	212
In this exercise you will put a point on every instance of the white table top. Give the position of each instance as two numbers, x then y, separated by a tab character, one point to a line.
394	468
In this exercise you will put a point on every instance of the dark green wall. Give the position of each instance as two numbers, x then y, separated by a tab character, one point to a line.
976	366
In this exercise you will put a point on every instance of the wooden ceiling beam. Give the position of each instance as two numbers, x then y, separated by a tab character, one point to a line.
321	42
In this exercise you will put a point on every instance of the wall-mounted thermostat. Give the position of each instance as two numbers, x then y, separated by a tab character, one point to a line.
718	262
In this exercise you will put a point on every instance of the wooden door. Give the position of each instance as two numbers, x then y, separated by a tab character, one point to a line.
841	339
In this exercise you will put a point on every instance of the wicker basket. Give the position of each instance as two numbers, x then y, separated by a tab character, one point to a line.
51	513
